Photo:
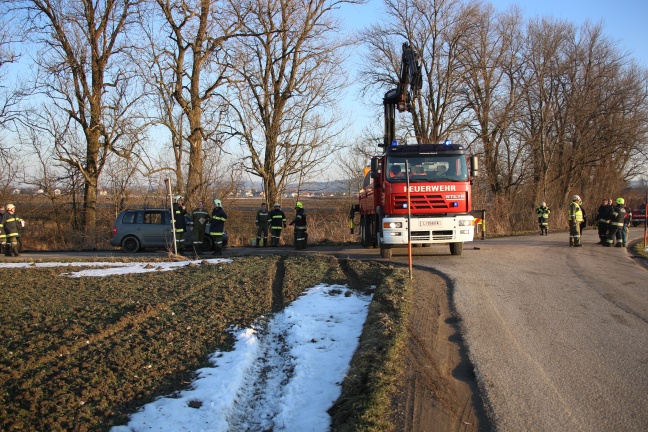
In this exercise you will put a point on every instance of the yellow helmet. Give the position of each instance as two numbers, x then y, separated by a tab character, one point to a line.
299	205
218	203
620	201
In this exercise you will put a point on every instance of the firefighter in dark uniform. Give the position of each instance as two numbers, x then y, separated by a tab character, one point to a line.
300	226
199	219
10	224
603	221
617	218
277	220
262	226
575	217
217	226
543	218
179	223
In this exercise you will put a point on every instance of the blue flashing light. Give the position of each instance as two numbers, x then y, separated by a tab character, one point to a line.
447	142
405	205
455	204
394	143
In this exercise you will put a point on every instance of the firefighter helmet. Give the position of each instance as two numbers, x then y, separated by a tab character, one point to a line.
218	203
277	205
178	198
544	204
576	198
10	207
620	201
299	205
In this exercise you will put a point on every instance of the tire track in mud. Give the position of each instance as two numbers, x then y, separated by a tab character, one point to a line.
257	404
353	279
438	390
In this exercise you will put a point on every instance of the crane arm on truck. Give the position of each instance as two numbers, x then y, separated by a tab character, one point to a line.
402	97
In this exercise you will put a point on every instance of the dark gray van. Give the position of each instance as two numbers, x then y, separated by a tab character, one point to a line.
137	229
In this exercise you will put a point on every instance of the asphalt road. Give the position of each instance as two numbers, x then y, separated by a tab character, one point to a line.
558	335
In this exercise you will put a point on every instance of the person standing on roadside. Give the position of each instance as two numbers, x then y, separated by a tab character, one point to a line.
617	218
543	218
262	225
10	224
277	223
575	217
217	227
300	226
3	236
179	223
603	221
583	224
199	219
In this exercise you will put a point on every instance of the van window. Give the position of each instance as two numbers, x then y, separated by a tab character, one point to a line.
153	218
129	217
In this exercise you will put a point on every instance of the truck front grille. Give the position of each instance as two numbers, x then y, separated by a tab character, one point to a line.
419	201
432	235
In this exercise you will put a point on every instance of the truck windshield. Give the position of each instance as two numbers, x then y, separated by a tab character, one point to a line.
433	168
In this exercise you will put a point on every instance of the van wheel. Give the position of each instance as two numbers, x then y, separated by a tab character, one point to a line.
207	244
131	244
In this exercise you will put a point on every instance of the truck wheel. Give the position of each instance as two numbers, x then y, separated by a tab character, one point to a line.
456	248
365	231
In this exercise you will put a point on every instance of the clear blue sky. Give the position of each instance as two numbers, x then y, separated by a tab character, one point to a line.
623	20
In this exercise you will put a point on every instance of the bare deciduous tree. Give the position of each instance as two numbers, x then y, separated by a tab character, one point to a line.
190	67
83	74
492	78
286	90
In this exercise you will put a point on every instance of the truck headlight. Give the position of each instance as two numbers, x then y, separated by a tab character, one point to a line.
465	223
392	224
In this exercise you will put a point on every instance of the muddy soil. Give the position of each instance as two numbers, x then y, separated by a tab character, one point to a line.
438	391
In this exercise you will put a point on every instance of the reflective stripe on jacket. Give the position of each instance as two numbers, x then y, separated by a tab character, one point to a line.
277	219
10	224
218	221
543	212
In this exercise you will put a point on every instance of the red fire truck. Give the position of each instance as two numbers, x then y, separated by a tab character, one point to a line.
417	193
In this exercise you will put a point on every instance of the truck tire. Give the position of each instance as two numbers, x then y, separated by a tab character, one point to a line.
385	251
456	248
365	231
